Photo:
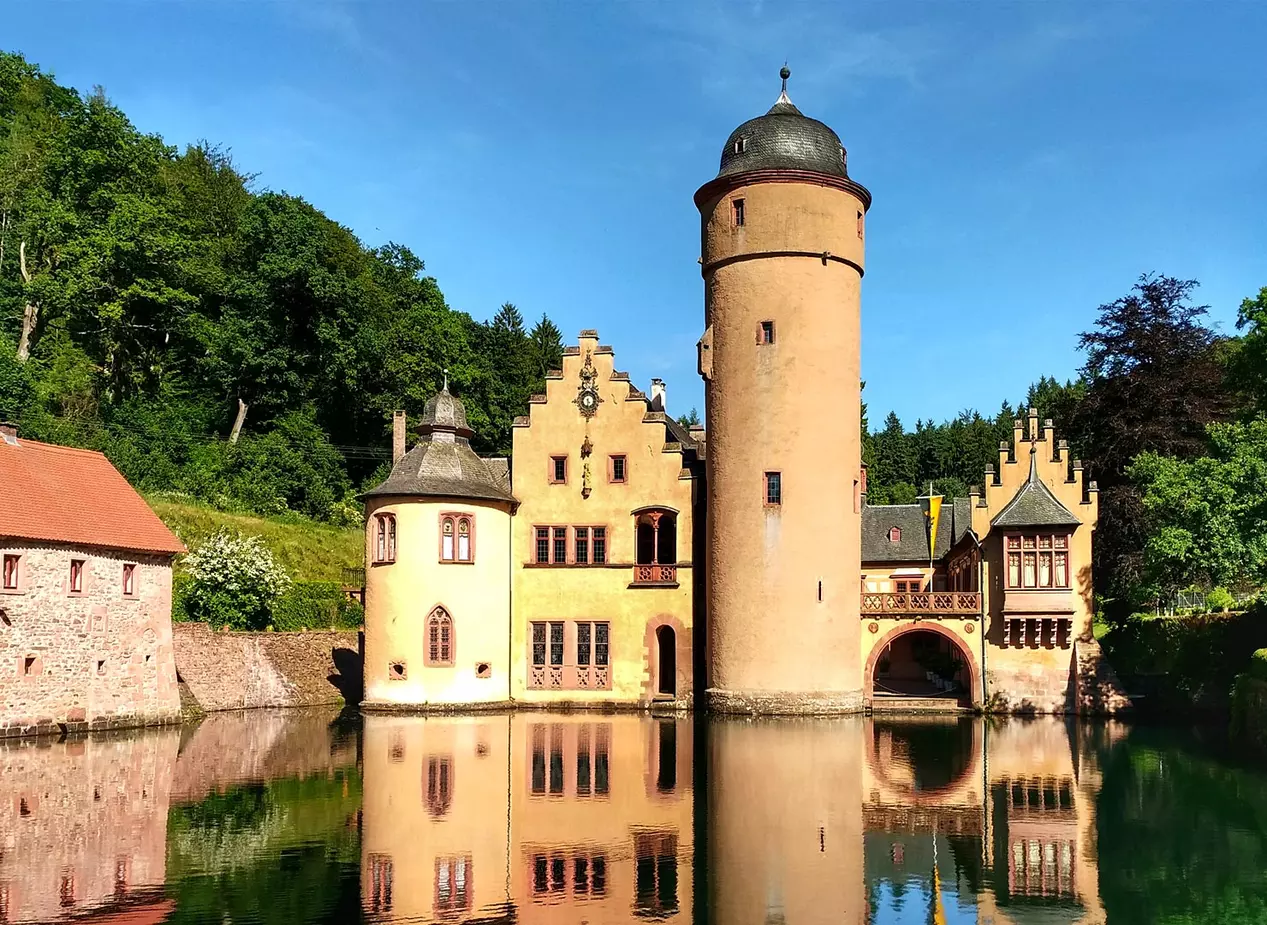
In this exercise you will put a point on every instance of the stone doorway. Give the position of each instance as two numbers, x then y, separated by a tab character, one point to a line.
919	664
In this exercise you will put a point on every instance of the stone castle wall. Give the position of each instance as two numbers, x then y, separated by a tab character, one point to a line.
235	671
96	658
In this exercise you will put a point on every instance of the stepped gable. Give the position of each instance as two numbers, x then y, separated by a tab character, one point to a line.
1035	505
58	494
442	462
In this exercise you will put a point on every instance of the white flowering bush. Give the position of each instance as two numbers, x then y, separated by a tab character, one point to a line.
232	580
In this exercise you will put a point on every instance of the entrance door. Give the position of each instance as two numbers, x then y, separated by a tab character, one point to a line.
666	642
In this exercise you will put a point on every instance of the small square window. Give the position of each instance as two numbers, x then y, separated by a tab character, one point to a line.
895	534
483	670
101	666
765	333
558	469
737	205
396	671
773	488
76	576
30	666
618	468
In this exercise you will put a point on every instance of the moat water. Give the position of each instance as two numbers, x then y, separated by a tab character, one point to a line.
312	816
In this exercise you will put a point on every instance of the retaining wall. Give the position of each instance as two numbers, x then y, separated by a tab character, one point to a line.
234	671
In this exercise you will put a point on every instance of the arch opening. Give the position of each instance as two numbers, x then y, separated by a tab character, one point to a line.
666	674
922	662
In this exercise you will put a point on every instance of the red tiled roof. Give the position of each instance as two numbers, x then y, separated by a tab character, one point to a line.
64	495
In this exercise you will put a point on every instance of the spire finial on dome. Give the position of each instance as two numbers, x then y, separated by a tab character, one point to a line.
784	73
446	380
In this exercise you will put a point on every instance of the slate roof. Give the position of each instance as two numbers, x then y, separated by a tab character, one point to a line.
442	462
783	139
1034	505
57	494
877	519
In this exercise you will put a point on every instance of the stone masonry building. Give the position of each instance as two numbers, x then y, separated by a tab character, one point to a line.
85	595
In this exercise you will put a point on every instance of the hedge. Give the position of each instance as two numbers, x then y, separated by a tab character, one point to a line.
306	605
316	605
1186	662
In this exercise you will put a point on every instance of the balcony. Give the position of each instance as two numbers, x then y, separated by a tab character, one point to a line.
651	576
959	604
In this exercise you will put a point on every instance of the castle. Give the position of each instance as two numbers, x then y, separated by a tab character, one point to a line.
622	559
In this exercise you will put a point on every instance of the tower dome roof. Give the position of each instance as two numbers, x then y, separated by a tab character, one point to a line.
444	412
783	139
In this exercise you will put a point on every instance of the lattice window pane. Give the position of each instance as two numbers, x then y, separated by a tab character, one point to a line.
556	644
601	634
538	644
600	545
583	631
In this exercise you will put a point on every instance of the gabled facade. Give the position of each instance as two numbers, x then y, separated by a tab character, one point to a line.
85	595
998	614
571	584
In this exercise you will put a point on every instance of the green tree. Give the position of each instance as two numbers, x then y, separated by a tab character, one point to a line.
1249	363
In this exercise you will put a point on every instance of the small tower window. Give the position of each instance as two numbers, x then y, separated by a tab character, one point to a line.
773	488
384	538
860	224
737	205
765	333
439	638
741	144
558	470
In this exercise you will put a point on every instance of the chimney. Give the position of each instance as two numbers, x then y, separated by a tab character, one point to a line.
657	394
9	432
398	436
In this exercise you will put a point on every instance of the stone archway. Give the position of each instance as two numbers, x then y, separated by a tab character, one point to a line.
971	669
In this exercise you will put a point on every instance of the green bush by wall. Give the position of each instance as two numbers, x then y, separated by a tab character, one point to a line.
316	605
1188	662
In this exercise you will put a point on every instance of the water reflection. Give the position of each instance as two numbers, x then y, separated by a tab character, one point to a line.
312	817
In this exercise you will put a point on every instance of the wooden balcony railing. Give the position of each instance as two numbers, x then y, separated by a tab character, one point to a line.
655	575
922	603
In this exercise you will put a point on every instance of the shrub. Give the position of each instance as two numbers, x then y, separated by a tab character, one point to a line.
1220	600
316	605
233	581
1258	665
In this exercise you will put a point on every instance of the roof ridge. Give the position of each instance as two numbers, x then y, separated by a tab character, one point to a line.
57	447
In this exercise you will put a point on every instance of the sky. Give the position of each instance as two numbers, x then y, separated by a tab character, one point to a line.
1028	161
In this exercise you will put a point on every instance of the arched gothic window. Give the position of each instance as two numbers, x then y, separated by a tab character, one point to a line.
385	538
439	637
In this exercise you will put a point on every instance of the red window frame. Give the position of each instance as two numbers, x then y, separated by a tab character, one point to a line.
12	572
772	489
439	784
129	579
453	894
557	464
1037	562
440	639
384	539
618	469
895	534
76	583
454	527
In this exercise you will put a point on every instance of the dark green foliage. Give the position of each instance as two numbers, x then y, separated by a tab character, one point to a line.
1182	663
690	419
161	288
316	605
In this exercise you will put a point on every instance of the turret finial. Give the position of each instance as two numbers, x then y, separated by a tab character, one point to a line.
446	379
784	73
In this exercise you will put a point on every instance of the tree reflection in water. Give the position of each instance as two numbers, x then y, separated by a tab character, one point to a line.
308	817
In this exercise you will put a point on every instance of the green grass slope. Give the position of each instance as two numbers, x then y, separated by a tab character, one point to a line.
308	550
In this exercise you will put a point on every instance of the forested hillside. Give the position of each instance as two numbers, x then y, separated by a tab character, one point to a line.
148	294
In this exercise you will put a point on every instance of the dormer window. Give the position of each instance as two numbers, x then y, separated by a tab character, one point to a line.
741	144
895	534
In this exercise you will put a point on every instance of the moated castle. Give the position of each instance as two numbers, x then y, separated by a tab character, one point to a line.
625	560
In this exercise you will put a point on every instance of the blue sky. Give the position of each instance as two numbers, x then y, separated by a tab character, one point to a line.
1028	160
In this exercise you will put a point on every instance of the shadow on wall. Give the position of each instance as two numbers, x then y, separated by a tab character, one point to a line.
349	674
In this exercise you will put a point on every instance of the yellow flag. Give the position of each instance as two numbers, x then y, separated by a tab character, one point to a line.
934	512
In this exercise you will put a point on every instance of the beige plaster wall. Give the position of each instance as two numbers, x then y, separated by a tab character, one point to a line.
791	407
655	477
405	832
400	596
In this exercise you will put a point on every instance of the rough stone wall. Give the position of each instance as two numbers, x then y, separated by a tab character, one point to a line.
83	822
234	671
93	659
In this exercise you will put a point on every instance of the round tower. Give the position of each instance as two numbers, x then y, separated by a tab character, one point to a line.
782	260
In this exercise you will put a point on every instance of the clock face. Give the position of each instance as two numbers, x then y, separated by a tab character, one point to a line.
588	400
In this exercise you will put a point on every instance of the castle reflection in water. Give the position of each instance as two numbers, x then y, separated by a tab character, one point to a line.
572	818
